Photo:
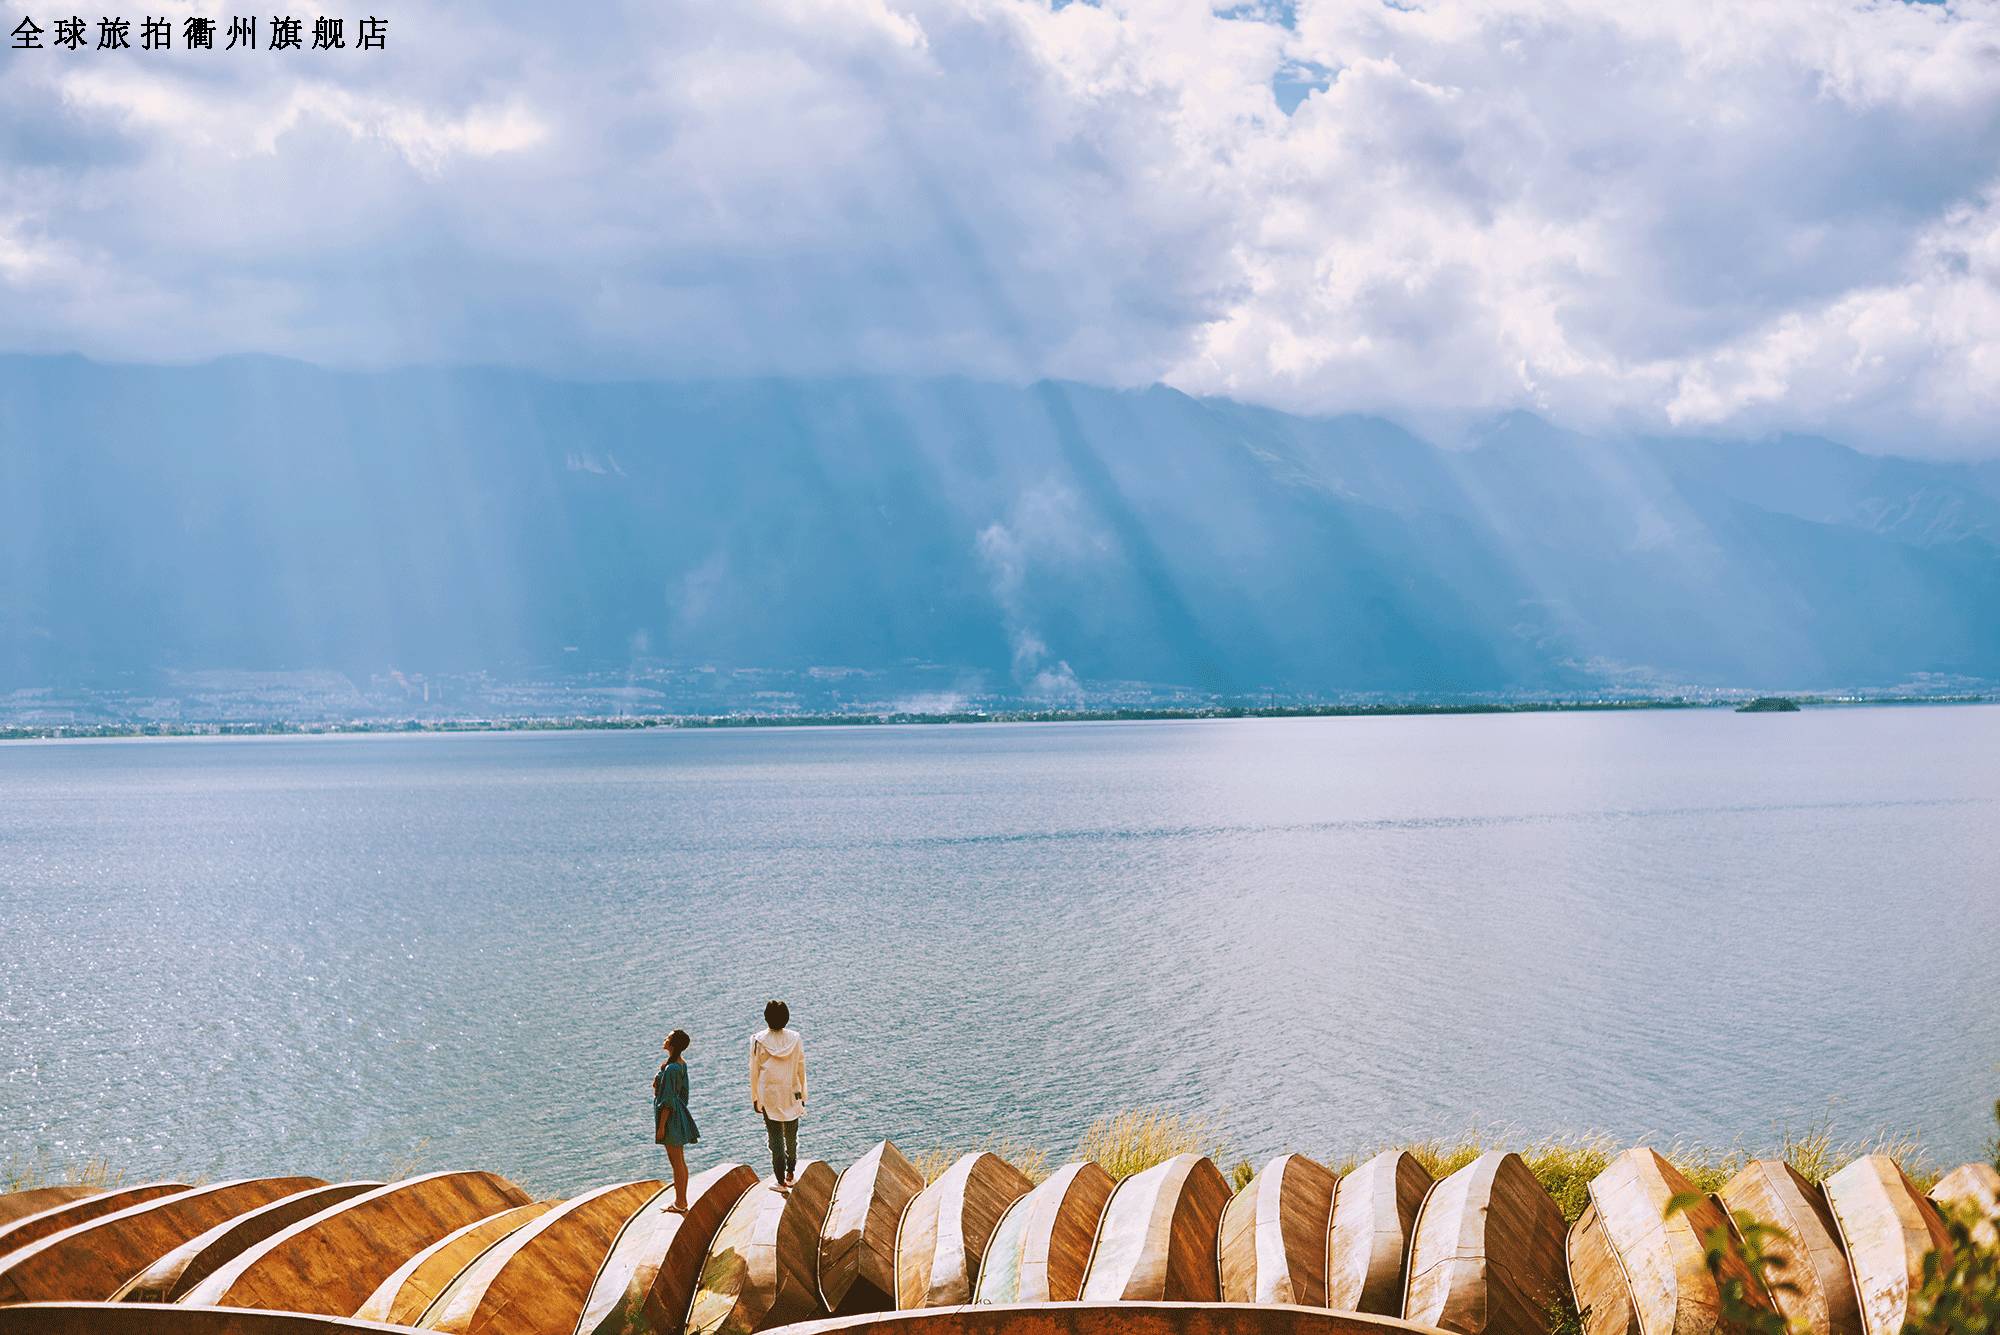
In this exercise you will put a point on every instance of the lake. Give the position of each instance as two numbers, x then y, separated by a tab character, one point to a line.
361	955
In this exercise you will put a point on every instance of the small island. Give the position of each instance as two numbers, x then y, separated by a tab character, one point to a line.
1769	704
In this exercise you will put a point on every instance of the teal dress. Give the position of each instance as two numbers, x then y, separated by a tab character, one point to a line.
672	1123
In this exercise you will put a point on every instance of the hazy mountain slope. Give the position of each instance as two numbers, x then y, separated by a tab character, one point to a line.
260	514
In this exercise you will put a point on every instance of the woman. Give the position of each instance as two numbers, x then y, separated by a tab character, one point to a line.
778	1088
673	1125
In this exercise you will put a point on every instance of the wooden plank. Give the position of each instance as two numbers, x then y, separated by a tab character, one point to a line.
1042	1244
92	1260
1603	1300
1487	1254
857	1245
648	1280
1973	1188
1822	1300
1273	1243
1038	1319
946	1227
1158	1236
330	1263
20	1204
174	1319
1662	1256
32	1228
760	1270
1368	1246
412	1287
538	1277
1887	1228
194	1260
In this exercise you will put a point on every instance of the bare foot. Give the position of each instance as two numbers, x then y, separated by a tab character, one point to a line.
677	1209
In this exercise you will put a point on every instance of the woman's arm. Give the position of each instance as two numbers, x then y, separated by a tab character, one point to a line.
756	1065
802	1070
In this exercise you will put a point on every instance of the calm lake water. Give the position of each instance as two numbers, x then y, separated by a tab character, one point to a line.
355	955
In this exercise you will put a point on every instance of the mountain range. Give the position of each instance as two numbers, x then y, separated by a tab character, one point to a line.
1045	543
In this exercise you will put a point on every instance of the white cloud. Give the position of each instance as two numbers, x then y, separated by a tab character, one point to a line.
1696	215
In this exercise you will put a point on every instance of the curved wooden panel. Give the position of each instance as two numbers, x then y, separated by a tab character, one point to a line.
94	1259
409	1291
946	1228
1604	1303
1273	1244
1487	1256
1040	1247
1975	1189
648	1279
1072	1319
1113	1319
331	1262
32	1228
20	1204
538	1276
194	1260
857	1245
1822	1300
174	1319
1662	1256
759	1270
1887	1228
1368	1246
1157	1239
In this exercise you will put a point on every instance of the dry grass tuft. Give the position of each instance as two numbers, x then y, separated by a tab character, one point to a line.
1132	1142
1033	1163
1565	1165
26	1174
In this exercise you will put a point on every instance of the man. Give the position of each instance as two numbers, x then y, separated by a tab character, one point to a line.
778	1088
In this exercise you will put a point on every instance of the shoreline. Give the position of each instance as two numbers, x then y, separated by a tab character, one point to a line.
892	718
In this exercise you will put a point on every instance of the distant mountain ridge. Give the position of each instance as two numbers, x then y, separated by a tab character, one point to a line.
1034	542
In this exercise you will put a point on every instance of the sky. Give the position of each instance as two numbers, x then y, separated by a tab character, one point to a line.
1716	218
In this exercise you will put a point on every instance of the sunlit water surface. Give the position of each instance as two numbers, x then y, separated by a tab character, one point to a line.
363	955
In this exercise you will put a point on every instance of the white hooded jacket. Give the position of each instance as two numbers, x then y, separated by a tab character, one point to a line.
778	1074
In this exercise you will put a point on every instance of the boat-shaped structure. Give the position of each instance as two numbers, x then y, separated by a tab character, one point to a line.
946	1227
1973	1188
1040	1247
47	1222
408	1292
1487	1256
759	1271
1886	1227
1662	1256
1593	1271
1273	1243
1368	1243
333	1261
537	1278
648	1278
20	1204
173	1274
1817	1293
1157	1239
857	1244
92	1260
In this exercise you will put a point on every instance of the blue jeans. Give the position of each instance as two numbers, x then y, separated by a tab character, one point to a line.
784	1138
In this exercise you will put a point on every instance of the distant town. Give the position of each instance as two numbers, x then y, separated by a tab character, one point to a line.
227	702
